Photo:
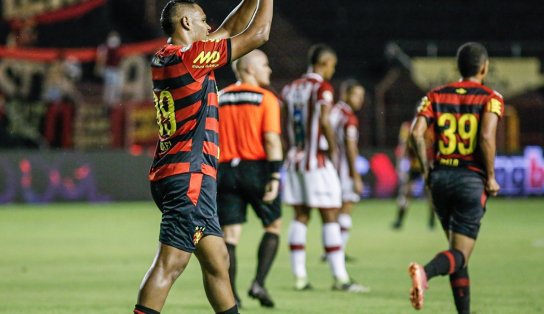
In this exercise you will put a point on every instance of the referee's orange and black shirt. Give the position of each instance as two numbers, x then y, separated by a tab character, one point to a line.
247	112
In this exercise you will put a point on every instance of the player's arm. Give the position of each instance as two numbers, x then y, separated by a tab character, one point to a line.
417	136
352	152
328	132
274	154
236	21
256	34
487	139
272	145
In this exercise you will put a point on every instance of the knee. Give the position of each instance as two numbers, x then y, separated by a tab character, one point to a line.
220	266
232	234
274	227
302	218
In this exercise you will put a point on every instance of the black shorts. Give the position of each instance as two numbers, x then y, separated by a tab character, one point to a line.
238	186
459	200
188	205
414	175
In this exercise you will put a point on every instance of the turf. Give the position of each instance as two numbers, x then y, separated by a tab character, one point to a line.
90	258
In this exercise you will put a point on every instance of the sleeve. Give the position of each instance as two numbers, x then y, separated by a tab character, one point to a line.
352	128
325	95
495	104
425	109
202	57
271	119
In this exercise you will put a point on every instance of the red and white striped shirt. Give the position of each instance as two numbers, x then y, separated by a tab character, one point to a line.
345	124
304	99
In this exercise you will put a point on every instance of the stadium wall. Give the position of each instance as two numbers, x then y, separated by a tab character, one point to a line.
104	176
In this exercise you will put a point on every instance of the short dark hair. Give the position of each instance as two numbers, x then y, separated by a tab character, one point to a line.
317	51
348	85
166	15
470	58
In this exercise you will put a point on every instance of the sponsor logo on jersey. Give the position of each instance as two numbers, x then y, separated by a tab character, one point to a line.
207	57
461	91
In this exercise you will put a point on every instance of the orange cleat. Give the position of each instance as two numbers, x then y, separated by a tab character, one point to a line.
419	285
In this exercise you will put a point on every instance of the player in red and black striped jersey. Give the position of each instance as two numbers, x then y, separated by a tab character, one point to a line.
464	116
184	168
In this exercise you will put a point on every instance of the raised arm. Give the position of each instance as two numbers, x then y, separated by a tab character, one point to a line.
237	21
417	136
257	33
488	148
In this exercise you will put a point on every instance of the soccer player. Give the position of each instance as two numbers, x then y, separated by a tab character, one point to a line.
464	116
409	171
184	168
346	127
311	180
249	165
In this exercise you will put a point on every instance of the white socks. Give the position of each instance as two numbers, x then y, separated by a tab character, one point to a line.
332	241
345	226
297	245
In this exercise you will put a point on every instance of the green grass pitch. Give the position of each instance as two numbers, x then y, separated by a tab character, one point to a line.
90	258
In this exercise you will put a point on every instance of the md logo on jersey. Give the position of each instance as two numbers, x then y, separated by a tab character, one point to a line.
207	57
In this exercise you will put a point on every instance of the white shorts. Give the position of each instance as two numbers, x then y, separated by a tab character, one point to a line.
318	188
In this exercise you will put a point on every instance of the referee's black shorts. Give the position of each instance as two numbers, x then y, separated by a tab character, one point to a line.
240	185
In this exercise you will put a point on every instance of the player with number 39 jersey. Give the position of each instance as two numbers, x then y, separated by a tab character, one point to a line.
464	116
185	95
455	111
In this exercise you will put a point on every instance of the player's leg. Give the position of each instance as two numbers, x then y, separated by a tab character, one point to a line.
268	249
297	246
232	234
176	243
445	262
430	206
459	280
213	258
465	228
345	221
402	199
231	211
293	194
211	250
168	264
349	199
324	192
253	181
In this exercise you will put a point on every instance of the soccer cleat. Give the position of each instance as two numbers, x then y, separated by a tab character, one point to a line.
350	286
302	283
397	225
256	291
419	285
347	258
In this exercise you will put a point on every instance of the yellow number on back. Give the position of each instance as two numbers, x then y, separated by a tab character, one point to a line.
166	113
448	122
467	128
460	133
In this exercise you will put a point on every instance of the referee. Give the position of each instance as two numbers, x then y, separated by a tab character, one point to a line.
249	164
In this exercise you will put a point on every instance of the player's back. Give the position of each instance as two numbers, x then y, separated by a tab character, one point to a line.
303	99
456	110
247	112
184	92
